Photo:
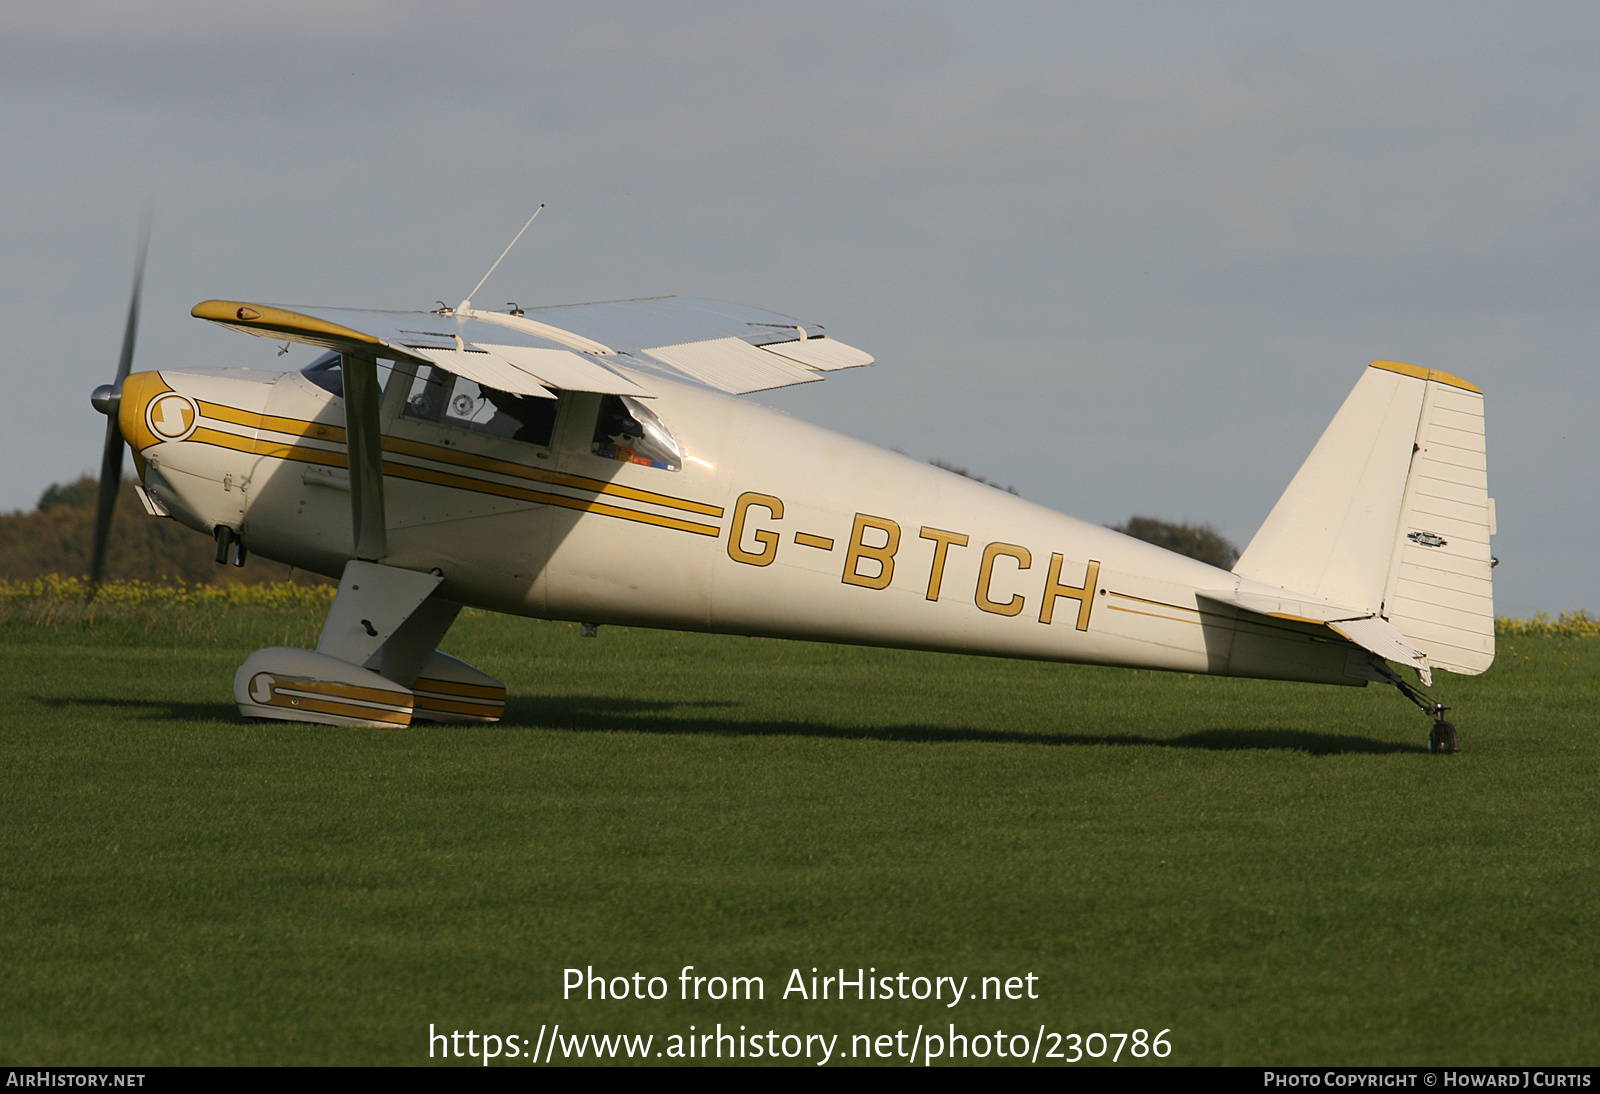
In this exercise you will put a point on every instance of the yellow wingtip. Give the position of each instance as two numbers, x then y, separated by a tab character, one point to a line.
270	322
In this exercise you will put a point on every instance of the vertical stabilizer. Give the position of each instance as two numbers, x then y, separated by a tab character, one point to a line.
1391	514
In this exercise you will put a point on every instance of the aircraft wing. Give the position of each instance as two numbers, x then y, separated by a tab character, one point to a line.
730	347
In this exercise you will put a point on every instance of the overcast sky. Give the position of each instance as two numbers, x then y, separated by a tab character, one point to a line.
1127	257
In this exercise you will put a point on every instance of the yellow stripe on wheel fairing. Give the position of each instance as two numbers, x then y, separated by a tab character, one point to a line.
478	710
451	687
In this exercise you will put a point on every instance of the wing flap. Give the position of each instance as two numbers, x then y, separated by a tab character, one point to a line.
821	353
732	365
487	370
566	370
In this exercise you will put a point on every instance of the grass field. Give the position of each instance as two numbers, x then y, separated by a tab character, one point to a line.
1274	873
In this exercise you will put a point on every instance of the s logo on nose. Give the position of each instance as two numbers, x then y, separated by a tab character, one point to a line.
171	416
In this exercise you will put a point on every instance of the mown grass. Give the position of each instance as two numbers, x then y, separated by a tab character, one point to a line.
1275	873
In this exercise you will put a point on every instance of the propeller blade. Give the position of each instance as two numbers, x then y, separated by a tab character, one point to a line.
106	506
111	457
131	333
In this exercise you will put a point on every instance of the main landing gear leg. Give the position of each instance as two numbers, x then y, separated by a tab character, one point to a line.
1442	737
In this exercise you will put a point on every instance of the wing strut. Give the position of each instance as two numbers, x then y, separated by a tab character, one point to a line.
369	534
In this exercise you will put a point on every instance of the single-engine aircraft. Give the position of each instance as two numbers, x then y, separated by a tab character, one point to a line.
594	463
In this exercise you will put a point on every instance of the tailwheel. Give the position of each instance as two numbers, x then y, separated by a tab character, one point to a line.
1442	738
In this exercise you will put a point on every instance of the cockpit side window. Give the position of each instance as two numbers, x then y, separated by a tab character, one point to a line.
448	399
629	431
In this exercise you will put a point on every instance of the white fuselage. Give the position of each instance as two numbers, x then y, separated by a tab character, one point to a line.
772	527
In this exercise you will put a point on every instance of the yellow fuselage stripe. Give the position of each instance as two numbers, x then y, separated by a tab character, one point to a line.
555	478
326	458
540	497
1156	603
295	427
1216	620
1154	615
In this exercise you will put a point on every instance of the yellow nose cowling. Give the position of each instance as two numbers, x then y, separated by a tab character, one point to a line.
138	390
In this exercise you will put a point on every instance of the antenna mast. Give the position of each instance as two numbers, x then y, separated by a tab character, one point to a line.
466	305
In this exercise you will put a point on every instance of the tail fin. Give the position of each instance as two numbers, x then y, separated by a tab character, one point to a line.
1391	514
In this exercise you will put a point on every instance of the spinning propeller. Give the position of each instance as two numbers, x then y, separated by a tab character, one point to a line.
107	399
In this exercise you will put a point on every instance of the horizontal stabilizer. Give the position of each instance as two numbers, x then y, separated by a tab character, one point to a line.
1365	628
1382	639
1283	604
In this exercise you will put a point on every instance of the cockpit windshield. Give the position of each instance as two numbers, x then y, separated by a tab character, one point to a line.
327	372
629	431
